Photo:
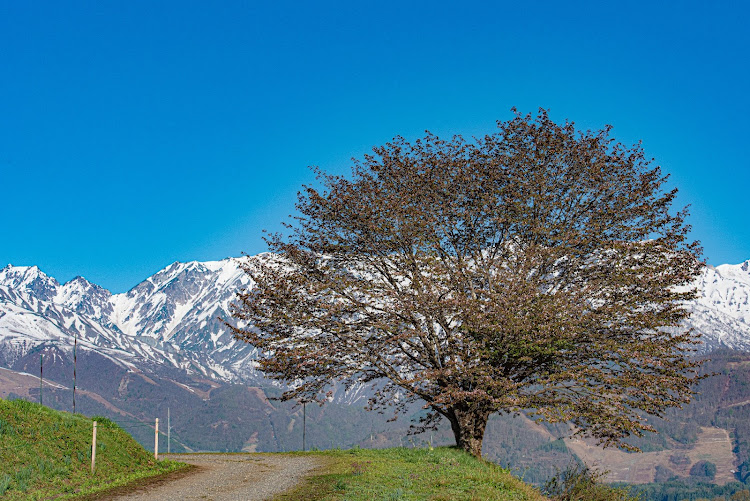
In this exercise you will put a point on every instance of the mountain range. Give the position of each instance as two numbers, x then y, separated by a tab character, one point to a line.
172	319
162	347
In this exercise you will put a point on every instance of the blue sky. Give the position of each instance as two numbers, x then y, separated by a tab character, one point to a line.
138	133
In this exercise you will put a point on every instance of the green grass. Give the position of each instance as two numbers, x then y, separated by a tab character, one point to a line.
409	474
46	453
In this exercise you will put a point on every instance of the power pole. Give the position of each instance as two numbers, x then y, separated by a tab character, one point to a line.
169	432
41	376
304	424
75	364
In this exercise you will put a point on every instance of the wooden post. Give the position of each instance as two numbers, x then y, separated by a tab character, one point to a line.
156	440
93	450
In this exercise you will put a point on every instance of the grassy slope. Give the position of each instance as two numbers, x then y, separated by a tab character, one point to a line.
410	474
46	453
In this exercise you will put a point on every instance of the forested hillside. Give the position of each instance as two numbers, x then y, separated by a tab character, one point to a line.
212	416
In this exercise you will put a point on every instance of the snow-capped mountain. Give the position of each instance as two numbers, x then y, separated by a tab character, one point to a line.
172	318
721	314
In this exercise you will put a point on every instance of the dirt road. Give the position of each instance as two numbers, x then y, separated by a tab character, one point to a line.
225	477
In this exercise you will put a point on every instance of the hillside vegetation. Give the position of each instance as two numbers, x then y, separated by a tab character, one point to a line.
234	418
47	453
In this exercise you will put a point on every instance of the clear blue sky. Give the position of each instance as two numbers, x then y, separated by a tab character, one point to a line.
137	133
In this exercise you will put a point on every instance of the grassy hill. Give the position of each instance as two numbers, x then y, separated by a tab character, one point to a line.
47	453
441	473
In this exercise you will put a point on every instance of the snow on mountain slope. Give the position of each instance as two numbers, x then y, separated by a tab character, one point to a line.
173	318
31	280
26	322
732	294
722	311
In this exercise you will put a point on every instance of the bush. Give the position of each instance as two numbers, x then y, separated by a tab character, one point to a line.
579	483
703	470
679	458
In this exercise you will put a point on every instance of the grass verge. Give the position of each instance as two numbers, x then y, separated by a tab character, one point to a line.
441	473
47	454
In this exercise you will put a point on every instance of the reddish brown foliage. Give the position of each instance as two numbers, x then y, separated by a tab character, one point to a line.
533	269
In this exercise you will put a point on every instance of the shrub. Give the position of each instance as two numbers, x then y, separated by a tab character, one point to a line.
679	458
579	483
703	470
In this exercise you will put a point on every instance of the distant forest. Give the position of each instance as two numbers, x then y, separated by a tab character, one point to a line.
723	401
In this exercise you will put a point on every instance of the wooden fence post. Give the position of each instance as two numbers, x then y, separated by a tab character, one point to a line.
156	440
93	450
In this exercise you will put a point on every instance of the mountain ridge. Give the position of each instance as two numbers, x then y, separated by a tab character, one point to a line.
173	318
161	345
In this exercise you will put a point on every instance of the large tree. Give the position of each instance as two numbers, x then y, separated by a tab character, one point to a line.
538	269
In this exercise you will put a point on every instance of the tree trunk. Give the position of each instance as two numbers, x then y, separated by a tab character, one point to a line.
468	427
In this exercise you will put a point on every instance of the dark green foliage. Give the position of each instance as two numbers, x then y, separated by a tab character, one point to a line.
703	470
678	490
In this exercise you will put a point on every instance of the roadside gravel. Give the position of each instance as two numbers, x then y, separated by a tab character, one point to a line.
226	477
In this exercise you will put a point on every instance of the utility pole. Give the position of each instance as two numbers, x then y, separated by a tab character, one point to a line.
304	424
75	364
169	432
41	376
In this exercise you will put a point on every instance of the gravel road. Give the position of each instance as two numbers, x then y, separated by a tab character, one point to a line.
225	477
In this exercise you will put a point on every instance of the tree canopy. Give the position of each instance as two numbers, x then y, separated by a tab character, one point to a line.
539	268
